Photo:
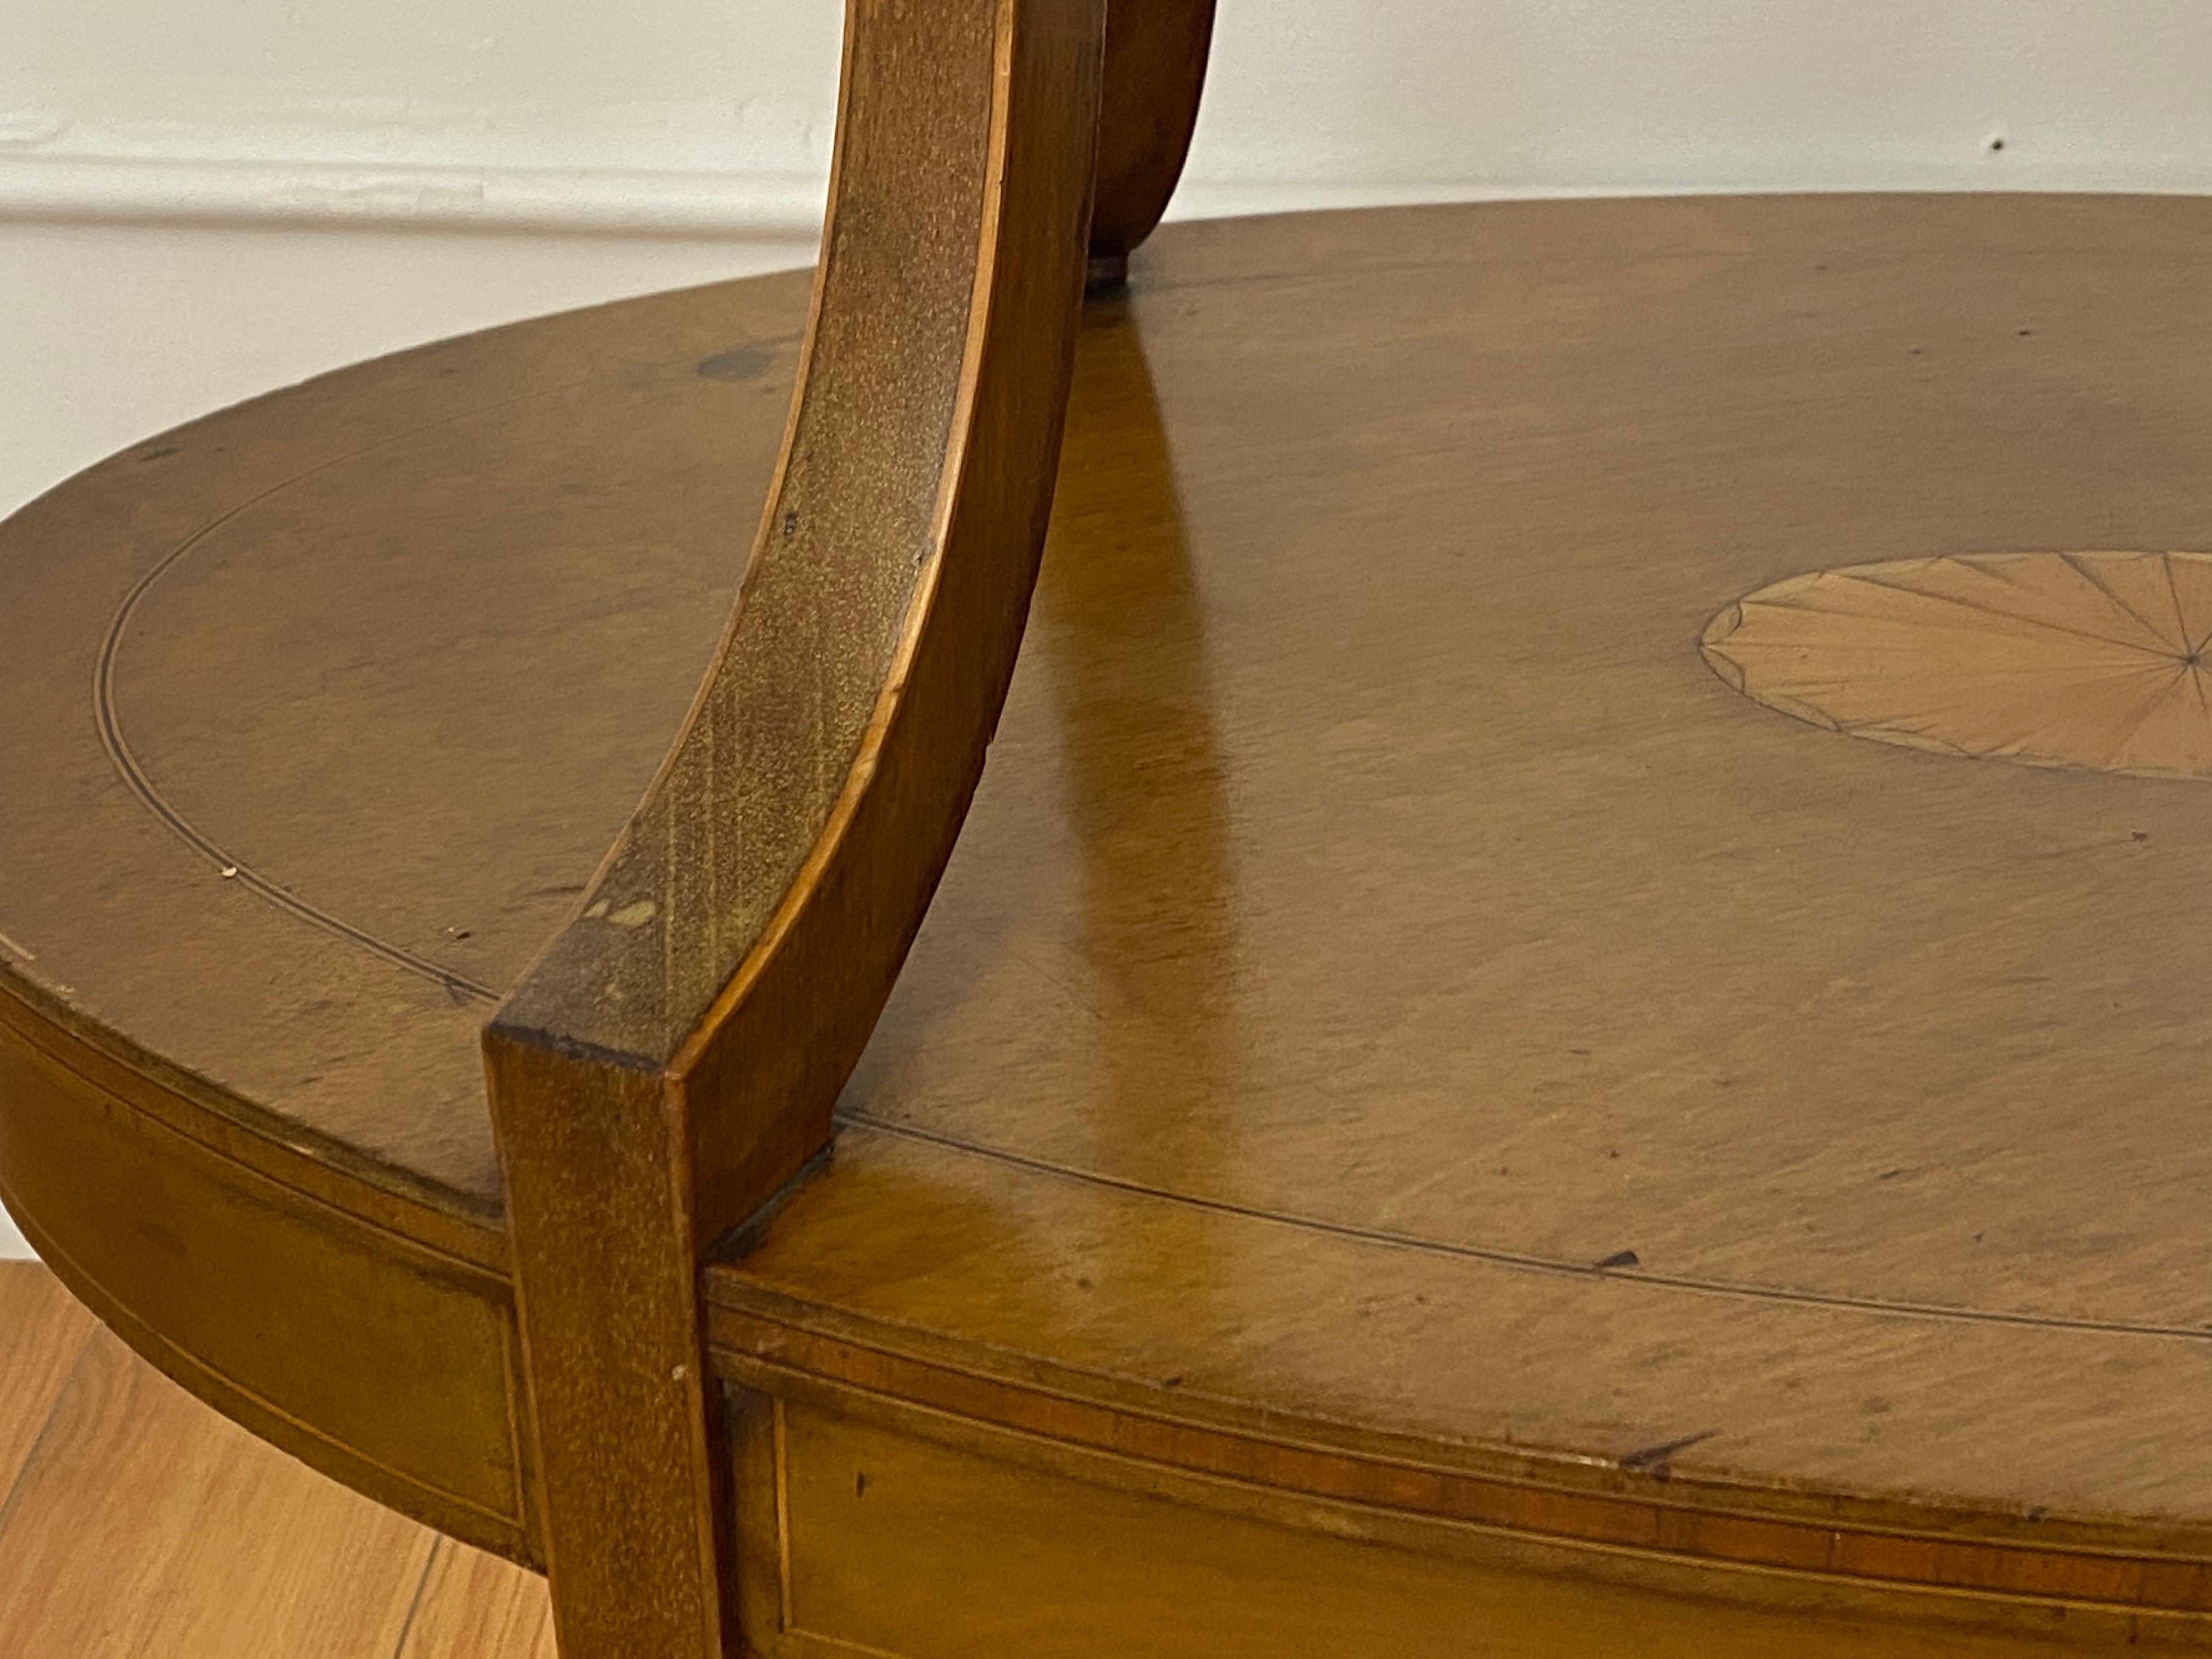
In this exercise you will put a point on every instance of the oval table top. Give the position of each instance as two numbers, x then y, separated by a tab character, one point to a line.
1435	957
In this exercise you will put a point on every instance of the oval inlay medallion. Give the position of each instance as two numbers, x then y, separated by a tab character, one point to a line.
2079	659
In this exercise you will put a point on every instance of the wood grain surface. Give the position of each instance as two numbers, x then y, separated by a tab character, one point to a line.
2089	658
1388	982
135	1521
227	1278
672	1058
157	608
906	1533
1155	68
1393	1005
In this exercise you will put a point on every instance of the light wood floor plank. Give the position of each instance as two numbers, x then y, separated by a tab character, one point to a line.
141	1522
474	1605
43	1330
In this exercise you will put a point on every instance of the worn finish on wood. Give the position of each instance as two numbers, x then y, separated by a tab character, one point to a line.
2089	658
196	564
312	1134
1071	1555
1333	912
1357	1012
228	1279
671	1059
1155	53
137	1522
1628	1519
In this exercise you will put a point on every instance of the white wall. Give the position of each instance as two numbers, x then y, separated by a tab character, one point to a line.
719	108
202	199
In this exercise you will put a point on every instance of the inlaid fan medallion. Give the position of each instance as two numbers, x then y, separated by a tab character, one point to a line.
2076	659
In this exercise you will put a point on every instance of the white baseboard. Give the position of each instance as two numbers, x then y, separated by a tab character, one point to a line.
255	189
243	185
250	187
252	190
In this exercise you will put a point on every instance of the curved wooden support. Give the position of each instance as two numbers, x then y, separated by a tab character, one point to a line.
671	1060
1154	68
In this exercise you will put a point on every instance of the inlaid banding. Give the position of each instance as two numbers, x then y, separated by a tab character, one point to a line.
2091	660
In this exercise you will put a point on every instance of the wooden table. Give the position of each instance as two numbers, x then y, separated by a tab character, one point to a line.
1423	1119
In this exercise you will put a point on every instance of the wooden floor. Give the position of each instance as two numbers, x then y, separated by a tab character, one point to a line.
134	1521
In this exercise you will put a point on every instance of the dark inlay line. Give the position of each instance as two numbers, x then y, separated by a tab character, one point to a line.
2143	712
2077	564
2160	650
1522	1261
2189	648
125	761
